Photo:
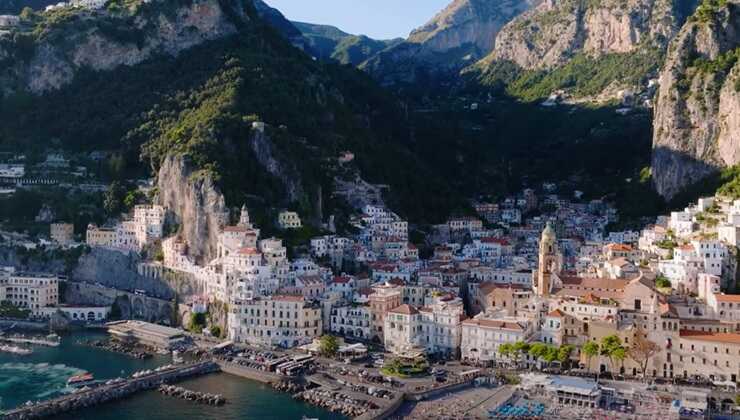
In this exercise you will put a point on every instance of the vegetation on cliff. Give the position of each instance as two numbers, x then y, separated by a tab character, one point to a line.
581	76
202	103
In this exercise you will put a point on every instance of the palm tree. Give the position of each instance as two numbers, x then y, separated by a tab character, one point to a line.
590	349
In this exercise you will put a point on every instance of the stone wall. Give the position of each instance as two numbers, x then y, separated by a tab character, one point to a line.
132	306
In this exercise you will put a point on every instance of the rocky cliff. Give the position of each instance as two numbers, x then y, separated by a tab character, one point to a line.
50	48
285	27
550	34
197	205
458	36
697	113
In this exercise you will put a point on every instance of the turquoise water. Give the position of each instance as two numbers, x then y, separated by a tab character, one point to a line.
44	373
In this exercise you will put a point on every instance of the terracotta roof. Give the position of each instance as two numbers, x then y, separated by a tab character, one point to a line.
619	247
730	338
499	241
367	291
405	309
310	280
686	247
396	282
249	251
342	279
288	298
495	323
593	283
557	313
727	298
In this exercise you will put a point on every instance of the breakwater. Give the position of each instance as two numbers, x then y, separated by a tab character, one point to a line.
110	391
195	396
118	348
337	402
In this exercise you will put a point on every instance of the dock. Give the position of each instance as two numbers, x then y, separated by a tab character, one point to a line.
110	392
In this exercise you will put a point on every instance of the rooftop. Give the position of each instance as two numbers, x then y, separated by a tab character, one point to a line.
728	338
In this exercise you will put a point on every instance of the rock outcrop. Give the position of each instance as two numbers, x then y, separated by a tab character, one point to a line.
266	155
197	205
697	113
550	34
458	36
84	43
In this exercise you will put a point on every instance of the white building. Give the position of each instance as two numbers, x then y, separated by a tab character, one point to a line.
289	220
441	326
29	290
351	321
483	335
282	321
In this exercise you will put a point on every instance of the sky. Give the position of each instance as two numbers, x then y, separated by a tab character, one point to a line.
379	19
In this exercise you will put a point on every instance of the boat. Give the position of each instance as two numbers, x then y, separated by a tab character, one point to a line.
15	350
81	380
32	340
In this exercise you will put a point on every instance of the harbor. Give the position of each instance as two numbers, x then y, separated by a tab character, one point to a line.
110	391
44	374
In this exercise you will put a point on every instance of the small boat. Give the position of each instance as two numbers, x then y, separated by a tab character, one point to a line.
15	350
80	380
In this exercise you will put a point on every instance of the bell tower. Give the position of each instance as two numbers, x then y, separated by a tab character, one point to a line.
244	217
549	261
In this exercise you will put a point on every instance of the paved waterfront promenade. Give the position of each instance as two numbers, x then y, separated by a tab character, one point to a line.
114	391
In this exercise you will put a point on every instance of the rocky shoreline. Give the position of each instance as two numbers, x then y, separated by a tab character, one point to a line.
336	402
118	348
195	396
288	386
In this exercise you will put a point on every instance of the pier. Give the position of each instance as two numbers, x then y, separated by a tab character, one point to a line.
110	391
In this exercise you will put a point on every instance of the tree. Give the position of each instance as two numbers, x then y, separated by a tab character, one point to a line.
611	347
506	350
642	350
551	354
197	322
618	355
113	199
27	13
520	349
590	349
328	345
564	353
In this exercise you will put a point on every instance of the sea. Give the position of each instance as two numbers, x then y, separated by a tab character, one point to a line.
44	373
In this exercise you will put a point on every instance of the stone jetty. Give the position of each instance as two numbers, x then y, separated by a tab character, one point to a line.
288	386
119	348
336	402
111	391
186	394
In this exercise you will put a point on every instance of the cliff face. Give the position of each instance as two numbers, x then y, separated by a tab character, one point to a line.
547	36
198	206
697	113
474	22
264	151
458	36
104	40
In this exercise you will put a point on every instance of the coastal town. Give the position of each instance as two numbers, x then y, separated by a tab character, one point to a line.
436	209
535	291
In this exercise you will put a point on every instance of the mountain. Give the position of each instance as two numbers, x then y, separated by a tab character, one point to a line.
328	42
456	37
587	48
285	27
697	113
178	89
